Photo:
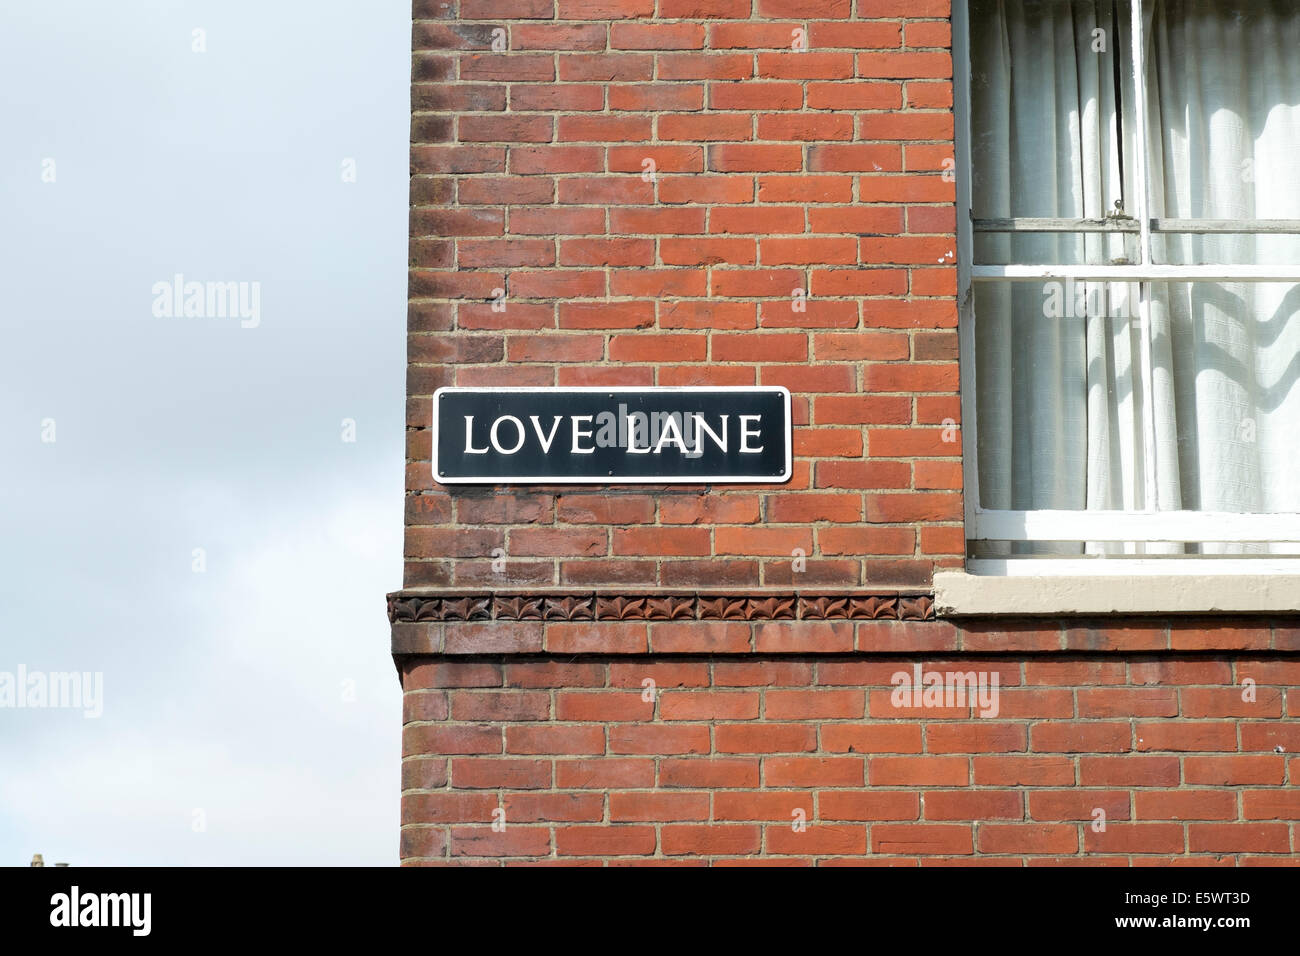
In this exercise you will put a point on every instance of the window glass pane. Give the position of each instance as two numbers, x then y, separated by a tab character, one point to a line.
1055	248
1202	249
1223	98
1058	395
1060	399
1226	361
1045	133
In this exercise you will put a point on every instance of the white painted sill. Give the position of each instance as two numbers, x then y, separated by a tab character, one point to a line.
960	593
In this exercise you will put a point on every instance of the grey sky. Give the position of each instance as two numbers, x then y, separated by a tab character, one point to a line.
224	691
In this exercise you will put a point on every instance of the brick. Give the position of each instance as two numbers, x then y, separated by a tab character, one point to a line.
740	805
606	252
451	739
861	410
874	738
764	738
553	807
1129	771
604	773
922	839
713	127
1269	735
807	65
808	251
448	807
706	705
663	673
667	221
530	160
1089	737
424	773
868	805
975	805
604	509
863	474
661	541
1231	771
711	840
638	97
1187	804
1072	672
854	95
555	674
1134	838
913	507
1078	805
810	705
1230	702
768	541
434	674
615	840
658	807
698	66
1023	771
975	737
755	158
805	126
1195	636
603	9
555	739
821	839
698	252
1238	838
497	773
512	841
918	771
755	95
1186	736
417	842
602	705
497	705
667	36
591	636
681	739
1266	805
904	65
719	637
710	772
1039	838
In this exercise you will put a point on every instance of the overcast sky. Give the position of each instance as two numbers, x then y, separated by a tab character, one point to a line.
251	712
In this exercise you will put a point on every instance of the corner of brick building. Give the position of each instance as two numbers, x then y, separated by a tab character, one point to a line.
638	193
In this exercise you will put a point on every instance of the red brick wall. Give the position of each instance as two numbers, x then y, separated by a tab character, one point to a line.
775	170
712	762
769	618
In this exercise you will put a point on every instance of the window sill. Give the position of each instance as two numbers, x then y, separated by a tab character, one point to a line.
962	594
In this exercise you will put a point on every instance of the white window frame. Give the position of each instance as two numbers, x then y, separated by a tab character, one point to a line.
1147	525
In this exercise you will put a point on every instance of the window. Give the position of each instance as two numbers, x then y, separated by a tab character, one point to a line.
1129	209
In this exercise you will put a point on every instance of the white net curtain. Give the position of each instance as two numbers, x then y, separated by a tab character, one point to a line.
1053	122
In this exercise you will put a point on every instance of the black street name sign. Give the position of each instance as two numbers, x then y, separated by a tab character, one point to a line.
610	436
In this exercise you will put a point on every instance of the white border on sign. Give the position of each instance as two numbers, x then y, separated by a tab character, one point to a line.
622	479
